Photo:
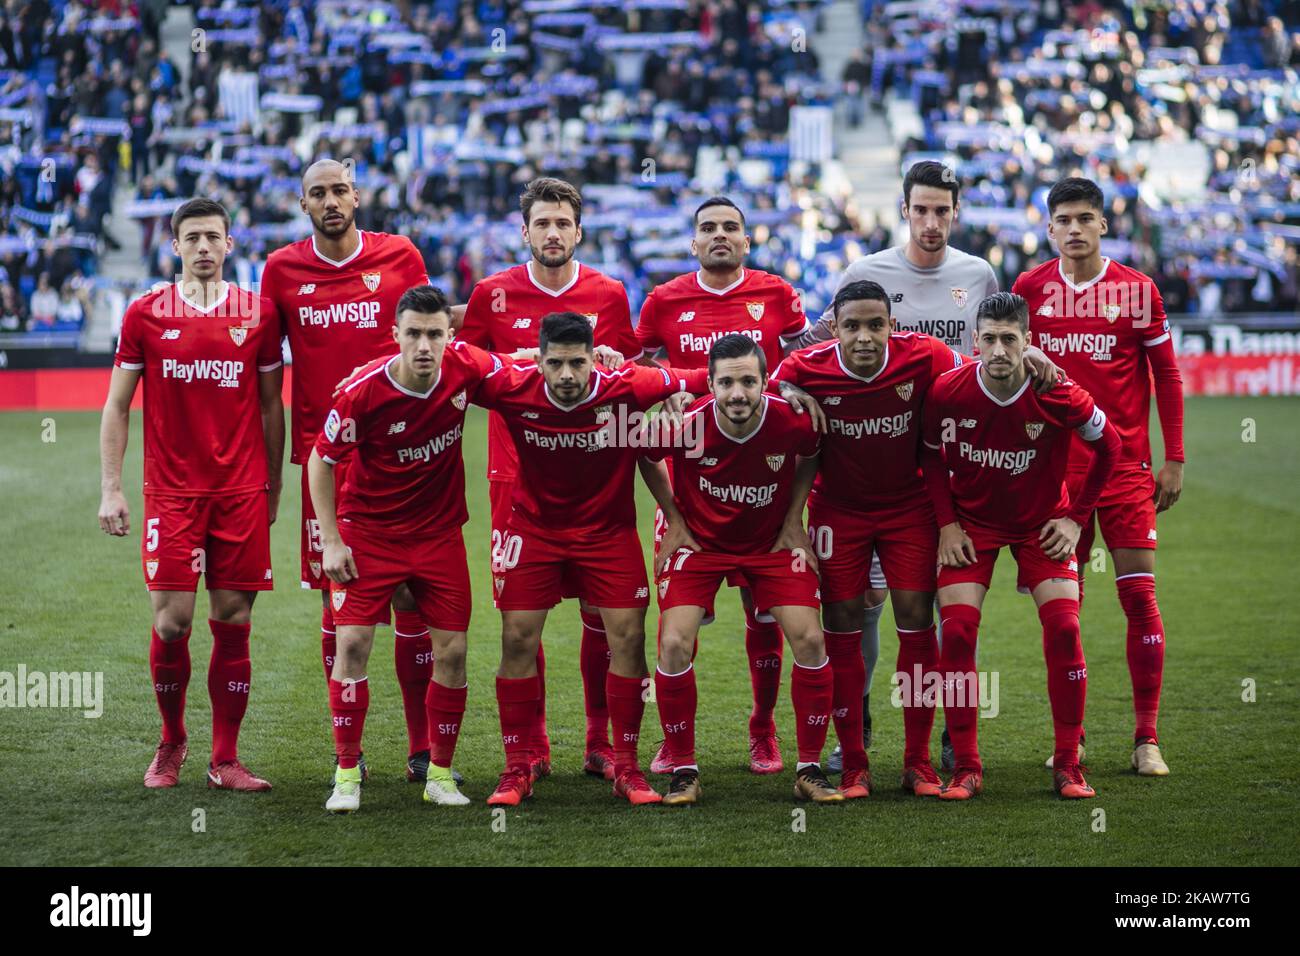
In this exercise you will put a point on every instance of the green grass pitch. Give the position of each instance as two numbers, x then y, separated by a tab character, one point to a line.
71	792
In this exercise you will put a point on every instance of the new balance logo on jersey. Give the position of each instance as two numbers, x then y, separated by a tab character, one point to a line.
832	400
967	423
171	335
642	593
896	297
364	315
434	446
522	323
396	428
225	371
1151	535
686	317
1046	310
1099	345
702	343
1014	462
760	496
708	462
529	415
307	289
891	425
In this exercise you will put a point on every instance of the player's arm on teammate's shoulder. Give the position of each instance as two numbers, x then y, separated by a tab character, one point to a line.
1045	373
794	535
1159	348
114	427
270	388
801	402
457	315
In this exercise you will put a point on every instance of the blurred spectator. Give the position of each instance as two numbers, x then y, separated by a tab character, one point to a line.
45	305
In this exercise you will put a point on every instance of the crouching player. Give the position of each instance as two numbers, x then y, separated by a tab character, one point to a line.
1006	447
398	521
736	505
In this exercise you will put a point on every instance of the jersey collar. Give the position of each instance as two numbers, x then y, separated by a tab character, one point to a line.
839	357
699	279
388	370
225	294
554	293
762	416
993	398
1060	269
339	263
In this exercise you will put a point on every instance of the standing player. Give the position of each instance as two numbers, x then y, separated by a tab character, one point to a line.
1105	323
933	289
399	517
681	319
336	291
736	505
572	523
504	314
209	354
1001	481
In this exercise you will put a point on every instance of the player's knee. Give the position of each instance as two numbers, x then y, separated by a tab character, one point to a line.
843	616
452	655
171	626
675	650
808	645
518	643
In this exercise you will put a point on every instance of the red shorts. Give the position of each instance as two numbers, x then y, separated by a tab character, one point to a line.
1035	566
906	540
433	566
310	548
533	573
1126	512
778	579
227	539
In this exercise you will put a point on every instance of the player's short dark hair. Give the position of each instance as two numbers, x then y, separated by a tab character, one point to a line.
717	201
196	208
929	173
549	189
1003	307
733	345
1075	189
565	328
425	299
859	290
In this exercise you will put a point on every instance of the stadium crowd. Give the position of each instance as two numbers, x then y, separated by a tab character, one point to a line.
449	107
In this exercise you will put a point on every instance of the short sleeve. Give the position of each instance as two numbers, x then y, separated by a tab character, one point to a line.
480	363
269	357
796	320
942	358
476	329
413	265
1083	414
342	430
130	341
618	334
990	281
648	334
787	371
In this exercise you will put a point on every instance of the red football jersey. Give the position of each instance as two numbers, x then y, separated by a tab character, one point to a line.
202	411
869	455
504	314
1007	460
1098	332
407	475
338	315
734	493
576	463
685	317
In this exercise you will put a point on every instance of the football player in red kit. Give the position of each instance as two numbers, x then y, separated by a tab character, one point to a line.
736	505
1105	323
994	457
337	292
397	521
681	319
209	355
504	314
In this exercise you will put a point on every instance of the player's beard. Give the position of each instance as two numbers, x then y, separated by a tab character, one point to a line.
1001	371
552	258
931	243
336	228
712	262
739	414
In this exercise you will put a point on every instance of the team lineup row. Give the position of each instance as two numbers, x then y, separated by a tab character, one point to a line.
915	463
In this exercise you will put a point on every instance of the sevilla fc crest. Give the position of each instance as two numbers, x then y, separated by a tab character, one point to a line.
151	568
459	400
755	310
591	318
1112	312
1033	430
775	462
338	597
604	414
498	583
959	297
371	279
904	391
663	588
238	334
314	567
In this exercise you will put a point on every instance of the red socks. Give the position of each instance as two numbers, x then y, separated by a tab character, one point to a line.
328	644
961	624
677	701
169	666
763	647
229	673
541	742
413	657
593	657
626	708
918	652
1067	676
849	673
348	703
1146	648
444	711
518	702
810	691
